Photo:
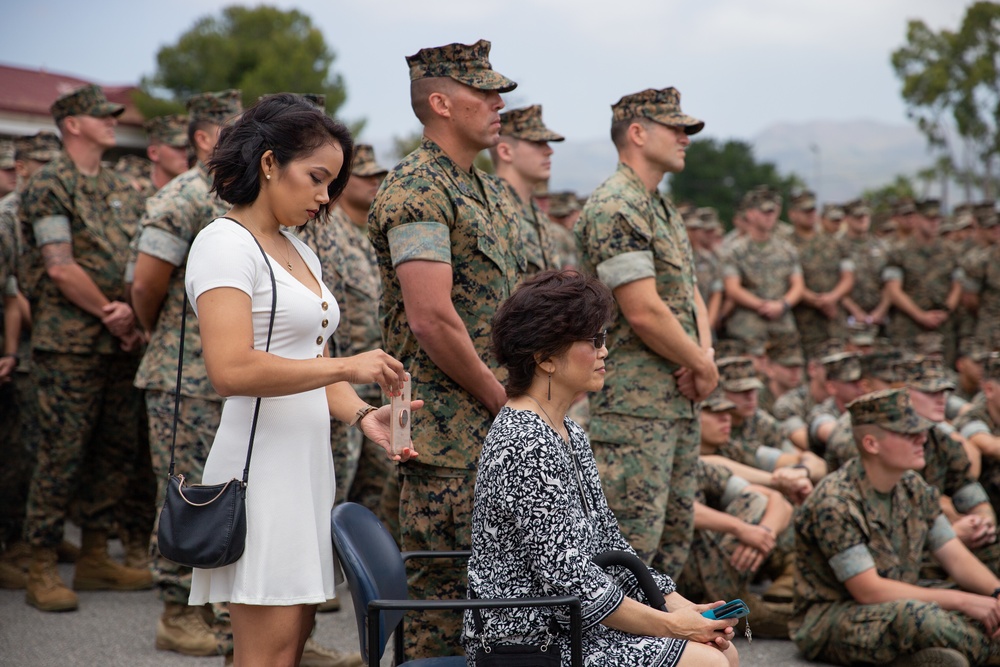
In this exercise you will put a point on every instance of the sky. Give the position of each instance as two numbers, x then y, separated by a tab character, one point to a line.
741	65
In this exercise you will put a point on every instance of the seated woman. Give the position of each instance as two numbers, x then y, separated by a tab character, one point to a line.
540	515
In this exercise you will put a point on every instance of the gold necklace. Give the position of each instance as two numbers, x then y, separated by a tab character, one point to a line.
288	261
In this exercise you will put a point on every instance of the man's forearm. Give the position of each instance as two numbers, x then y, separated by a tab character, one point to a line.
80	289
11	325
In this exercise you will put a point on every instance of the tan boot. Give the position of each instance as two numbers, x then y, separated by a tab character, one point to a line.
19	554
137	551
782	589
932	657
768	620
67	552
315	655
183	629
95	571
45	590
11	576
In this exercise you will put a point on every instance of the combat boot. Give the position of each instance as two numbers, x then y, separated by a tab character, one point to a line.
183	629
768	620
19	554
932	657
315	655
45	590
136	550
782	589
12	576
67	552
95	571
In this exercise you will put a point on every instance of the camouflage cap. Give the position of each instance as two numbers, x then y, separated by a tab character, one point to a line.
526	123
803	201
833	211
563	203
318	100
786	352
364	163
662	106
762	198
133	165
732	347
465	63
929	208
991	367
170	130
924	374
861	334
928	344
707	217
961	221
890	409
738	374
857	208
974	348
86	101
717	402
842	367
903	206
7	152
41	147
986	214
880	364
218	107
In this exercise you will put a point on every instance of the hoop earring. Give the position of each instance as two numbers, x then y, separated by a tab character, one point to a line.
549	397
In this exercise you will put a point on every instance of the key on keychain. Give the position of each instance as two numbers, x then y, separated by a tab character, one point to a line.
747	633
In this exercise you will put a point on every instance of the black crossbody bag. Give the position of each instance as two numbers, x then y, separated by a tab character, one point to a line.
496	654
205	526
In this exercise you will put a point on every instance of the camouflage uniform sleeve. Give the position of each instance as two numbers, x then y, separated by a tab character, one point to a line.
46	211
623	254
712	481
416	216
166	232
793	259
818	416
974	267
838	529
893	266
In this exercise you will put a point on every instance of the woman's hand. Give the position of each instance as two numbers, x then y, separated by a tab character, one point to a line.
688	623
376	366
375	425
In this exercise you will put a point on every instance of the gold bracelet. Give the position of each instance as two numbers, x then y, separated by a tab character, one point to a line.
361	413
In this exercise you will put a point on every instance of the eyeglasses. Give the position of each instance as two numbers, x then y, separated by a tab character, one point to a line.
599	340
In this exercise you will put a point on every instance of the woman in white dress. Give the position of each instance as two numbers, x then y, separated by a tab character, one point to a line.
281	164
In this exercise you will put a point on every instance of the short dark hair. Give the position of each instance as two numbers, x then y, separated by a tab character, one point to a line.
619	129
544	316
291	127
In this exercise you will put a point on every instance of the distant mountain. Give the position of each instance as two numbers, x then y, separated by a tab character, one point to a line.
852	156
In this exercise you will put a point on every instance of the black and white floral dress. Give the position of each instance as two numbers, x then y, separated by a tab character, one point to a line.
535	534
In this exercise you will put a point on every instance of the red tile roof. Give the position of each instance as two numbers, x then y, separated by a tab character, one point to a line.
32	92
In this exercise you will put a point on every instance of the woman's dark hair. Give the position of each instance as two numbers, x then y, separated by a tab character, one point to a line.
543	317
291	127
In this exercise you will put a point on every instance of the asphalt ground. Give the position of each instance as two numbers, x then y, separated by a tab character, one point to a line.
115	629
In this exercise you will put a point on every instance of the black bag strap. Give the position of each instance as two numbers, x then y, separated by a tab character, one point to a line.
180	366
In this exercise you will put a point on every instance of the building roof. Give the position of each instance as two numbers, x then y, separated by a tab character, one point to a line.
31	92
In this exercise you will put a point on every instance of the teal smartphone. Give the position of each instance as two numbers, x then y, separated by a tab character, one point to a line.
732	609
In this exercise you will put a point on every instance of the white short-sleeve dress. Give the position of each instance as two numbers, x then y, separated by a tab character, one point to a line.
289	549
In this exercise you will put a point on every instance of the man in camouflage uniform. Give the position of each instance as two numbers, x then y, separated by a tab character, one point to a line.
827	271
981	281
738	527
8	175
860	540
643	427
174	216
831	219
923	283
867	303
707	266
763	276
980	425
564	211
18	395
843	385
756	439
523	161
782	367
167	149
77	219
448	246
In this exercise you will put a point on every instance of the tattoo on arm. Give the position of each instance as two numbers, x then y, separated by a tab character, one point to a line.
57	254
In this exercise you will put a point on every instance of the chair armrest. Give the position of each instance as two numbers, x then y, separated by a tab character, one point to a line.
571	601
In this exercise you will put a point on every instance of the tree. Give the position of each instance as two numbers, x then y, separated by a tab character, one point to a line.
881	199
259	50
718	175
951	85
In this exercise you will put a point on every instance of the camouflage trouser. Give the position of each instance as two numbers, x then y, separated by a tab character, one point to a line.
15	466
647	469
879	633
137	510
903	332
815	328
390	502
708	576
435	513
89	416
346	452
197	422
374	468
